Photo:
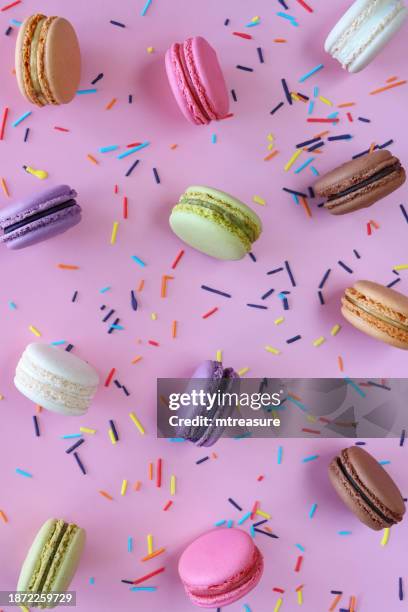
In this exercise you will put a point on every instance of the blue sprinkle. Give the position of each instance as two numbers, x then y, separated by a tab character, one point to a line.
15	22
310	458
289	18
149	589
146	6
310	73
312	510
109	148
213	138
20	119
280	451
354	386
311	107
333	115
69	436
92	580
300	547
130	544
12	305
220	523
299	405
305	164
315	92
384	462
23	473
58	342
83	92
138	261
230	523
344	533
247	608
315	172
252	531
104	289
244	518
133	150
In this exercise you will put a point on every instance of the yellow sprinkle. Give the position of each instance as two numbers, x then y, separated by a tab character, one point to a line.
278	605
24	609
41	174
401	267
311	418
259	200
114	232
218	356
325	101
272	350
173	485
300	597
92	159
137	422
243	371
136	359
262	513
279	321
34	331
154	316
270	137
386	536
112	437
257	18
292	160
149	543
124	487
319	341
87	430
150	49
294	96
335	329
270	146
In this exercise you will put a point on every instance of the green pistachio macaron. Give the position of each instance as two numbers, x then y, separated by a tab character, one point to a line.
52	559
215	223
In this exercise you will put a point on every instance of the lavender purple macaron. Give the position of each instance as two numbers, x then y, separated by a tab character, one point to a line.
212	379
39	217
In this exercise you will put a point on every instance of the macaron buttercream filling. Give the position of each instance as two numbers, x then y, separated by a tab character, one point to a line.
362	494
193	78
40	214
46	557
34	61
366	182
391	317
59	555
366	27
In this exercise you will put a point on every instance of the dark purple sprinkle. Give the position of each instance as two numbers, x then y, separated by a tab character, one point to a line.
258	306
117	23
287	92
69	348
259	523
283	3
298	193
252	256
36	426
340	137
311	192
271	535
202	460
74	297
74	446
79	462
26	134
400	589
374	384
260	55
103	307
303	96
364	120
130	99
133	300
244	68
321	298
395	272
344	609
324	279
346	268
386	144
156	176
402	438
267	294
97	78
108	316
125	391
277	107
234	95
316	146
285	304
117	383
357	254
127	581
289	271
226	22
294	339
8	31
364	152
274	271
285	292
217	291
307	142
234	503
404	212
360	443
320	205
336	592
394	282
132	167
114	430
111	329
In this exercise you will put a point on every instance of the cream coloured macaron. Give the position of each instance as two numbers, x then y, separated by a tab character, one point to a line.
55	379
215	223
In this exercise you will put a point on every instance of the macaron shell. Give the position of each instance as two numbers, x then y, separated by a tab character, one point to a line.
377	329
62	60
29	566
210	76
385	295
40	200
69	562
180	88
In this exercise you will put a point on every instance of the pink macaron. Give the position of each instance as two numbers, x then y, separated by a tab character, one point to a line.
220	567
197	82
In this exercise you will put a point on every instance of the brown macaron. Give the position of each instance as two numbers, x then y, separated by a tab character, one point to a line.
377	311
360	182
48	60
366	488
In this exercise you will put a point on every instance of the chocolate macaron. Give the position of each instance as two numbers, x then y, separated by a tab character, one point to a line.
366	488
360	182
377	311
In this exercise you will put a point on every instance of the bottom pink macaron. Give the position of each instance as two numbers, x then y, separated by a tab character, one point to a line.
220	567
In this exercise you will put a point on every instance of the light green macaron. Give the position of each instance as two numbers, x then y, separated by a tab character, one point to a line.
215	223
52	559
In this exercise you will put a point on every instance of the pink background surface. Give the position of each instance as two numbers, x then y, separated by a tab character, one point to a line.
235	163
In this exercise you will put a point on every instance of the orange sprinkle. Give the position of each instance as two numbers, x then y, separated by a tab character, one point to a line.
214	455
322	134
279	40
173	146
137	485
154	554
150	471
5	189
305	205
165	278
391	79
174	329
374	224
340	362
296	397
372	147
111	103
136	359
335	602
3	516
38	408
346	105
268	529
352	603
105	494
67	267
377	91
141	285
271	155
92	159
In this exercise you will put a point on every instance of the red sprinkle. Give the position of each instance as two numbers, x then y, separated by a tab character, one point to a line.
9	6
312	431
143	578
153	343
320	120
242	35
116	189
278	590
176	261
305	6
298	563
3	121
167	506
110	376
350	117
60	129
125	207
159	473
260	478
209	313
254	509
133	144
369	230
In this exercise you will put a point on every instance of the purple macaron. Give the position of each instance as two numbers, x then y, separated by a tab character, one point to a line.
210	377
39	217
